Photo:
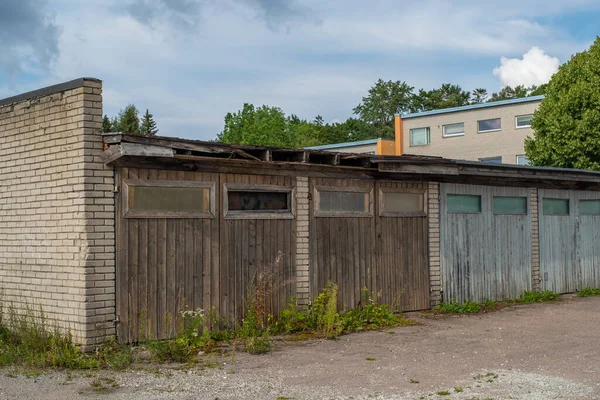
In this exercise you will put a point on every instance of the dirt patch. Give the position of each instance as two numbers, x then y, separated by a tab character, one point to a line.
537	351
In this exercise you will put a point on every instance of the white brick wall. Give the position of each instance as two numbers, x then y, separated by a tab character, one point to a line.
56	211
535	240
302	245
433	215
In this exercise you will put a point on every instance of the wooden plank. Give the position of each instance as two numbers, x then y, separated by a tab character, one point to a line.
122	265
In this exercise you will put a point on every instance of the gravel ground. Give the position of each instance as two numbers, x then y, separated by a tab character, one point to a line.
540	351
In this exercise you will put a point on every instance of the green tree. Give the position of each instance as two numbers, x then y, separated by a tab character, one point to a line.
129	120
264	125
446	96
383	102
106	124
567	123
148	126
478	95
114	124
508	93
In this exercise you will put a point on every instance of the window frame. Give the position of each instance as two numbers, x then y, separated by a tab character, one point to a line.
290	213
465	212
484	159
318	213
522	127
128	213
410	140
445	135
383	213
489	130
517	160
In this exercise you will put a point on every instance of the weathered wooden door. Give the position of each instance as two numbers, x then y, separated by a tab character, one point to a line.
485	242
356	246
569	237
167	261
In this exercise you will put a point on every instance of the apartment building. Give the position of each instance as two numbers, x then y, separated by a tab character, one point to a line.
369	146
489	132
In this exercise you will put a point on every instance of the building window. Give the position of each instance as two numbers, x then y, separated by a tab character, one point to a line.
168	199
491	160
463	203
401	202
453	130
523	121
555	206
489	125
589	207
241	201
419	137
522	160
510	205
343	202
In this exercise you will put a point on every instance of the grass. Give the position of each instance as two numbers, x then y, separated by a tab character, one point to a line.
370	358
469	307
588	291
443	393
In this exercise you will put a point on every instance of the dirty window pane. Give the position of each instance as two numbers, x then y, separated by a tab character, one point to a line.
240	200
343	201
555	206
489	125
589	207
510	205
419	137
524	121
464	203
402	202
454	129
169	199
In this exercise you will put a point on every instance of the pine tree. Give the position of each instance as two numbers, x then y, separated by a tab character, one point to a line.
148	125
106	124
129	122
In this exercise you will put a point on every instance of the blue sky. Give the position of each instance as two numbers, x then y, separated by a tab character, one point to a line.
192	61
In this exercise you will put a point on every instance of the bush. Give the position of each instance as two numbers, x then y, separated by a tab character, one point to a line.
588	291
370	315
289	320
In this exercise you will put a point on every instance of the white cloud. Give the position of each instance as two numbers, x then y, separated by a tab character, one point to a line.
535	68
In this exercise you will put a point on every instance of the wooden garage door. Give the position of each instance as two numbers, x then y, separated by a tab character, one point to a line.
356	245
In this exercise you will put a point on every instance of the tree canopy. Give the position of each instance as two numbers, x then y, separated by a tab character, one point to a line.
128	120
268	125
567	123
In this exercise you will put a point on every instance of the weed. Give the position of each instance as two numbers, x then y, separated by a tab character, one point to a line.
259	344
414	381
588	291
459	308
370	315
325	315
458	389
370	359
537	297
284	398
443	393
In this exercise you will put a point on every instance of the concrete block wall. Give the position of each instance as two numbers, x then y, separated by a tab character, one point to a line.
57	247
433	216
302	244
